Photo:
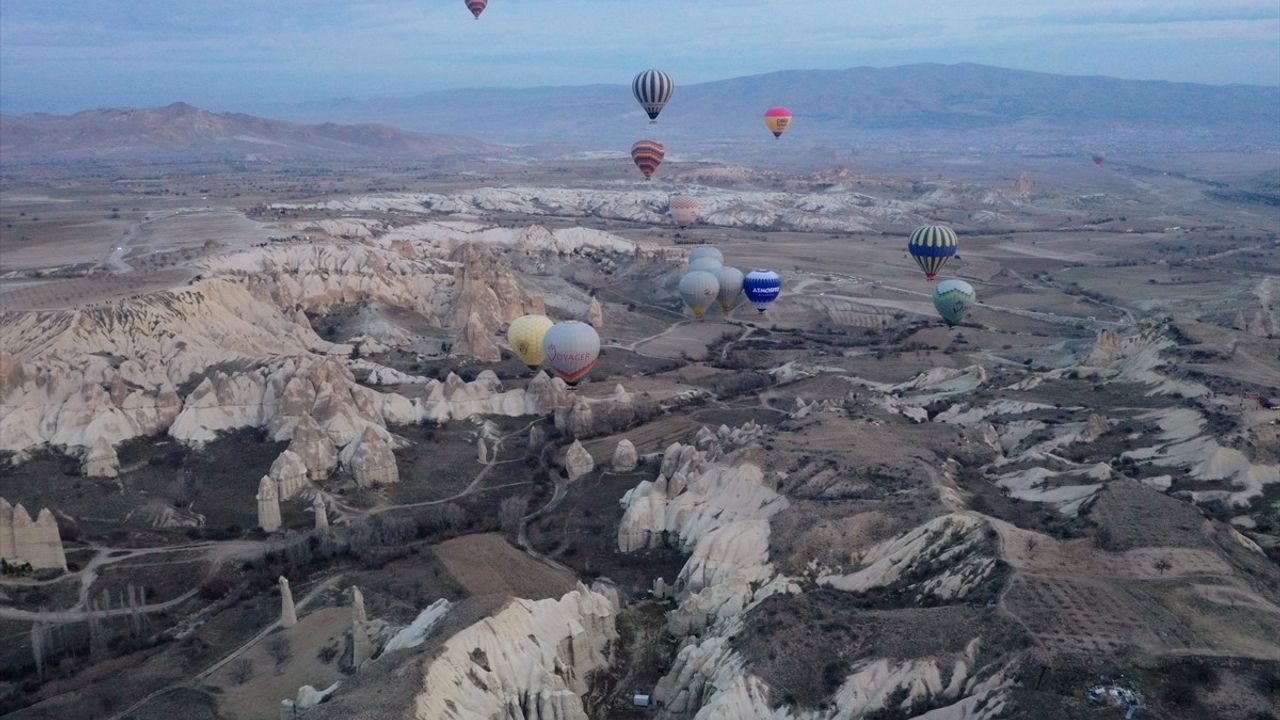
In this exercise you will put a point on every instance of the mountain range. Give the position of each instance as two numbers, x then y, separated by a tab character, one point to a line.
916	108
926	106
181	132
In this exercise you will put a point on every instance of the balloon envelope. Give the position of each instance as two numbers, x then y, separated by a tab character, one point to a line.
571	350
652	88
762	287
777	119
525	336
932	246
953	298
730	279
706	264
706	251
684	210
647	155
477	6
699	289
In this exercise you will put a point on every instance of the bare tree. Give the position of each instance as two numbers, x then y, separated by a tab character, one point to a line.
241	671
511	511
1162	565
280	650
456	516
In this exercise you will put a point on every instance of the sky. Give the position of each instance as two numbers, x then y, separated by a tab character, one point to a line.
68	55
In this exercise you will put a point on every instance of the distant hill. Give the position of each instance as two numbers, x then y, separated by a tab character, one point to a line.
909	107
182	132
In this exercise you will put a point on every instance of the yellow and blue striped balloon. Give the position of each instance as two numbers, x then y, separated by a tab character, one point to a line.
932	246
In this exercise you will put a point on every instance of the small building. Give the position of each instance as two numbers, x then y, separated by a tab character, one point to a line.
641	700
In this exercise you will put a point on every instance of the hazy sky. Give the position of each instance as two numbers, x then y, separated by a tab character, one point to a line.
65	55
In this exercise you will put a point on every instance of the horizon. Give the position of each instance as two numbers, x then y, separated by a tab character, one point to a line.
64	56
260	109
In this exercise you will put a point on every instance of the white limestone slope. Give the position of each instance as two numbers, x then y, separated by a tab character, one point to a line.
234	348
531	660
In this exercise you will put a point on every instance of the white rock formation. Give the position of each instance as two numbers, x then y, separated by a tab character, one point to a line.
624	456
311	443
288	613
371	460
595	314
531	660
415	633
289	473
577	461
361	647
268	505
23	540
482	452
321	512
101	459
950	556
586	417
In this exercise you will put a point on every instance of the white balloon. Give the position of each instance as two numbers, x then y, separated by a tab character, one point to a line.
699	289
571	349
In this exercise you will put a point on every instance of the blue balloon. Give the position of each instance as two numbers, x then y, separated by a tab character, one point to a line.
762	287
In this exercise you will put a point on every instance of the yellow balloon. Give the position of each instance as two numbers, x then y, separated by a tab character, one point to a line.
525	337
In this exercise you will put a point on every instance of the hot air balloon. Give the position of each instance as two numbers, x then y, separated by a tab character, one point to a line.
932	246
706	263
953	298
571	349
525	337
730	279
777	119
647	155
698	289
1098	158
477	6
684	210
762	287
706	251
653	88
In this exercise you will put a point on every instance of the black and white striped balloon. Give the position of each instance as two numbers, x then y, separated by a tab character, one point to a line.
653	88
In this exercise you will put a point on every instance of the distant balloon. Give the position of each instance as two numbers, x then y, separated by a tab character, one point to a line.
730	279
653	88
684	210
932	246
706	263
777	119
477	6
647	155
706	251
953	298
699	289
571	349
525	336
762	287
1099	158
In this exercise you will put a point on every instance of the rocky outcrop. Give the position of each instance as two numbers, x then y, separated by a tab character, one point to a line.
371	461
624	456
321	512
587	417
577	461
288	613
101	459
946	558
268	505
488	297
595	314
531	660
312	444
1095	427
361	647
289	473
35	542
